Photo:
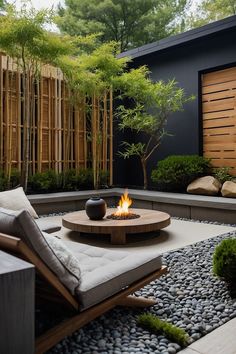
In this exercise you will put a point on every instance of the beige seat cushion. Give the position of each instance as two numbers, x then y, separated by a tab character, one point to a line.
21	224
16	199
106	272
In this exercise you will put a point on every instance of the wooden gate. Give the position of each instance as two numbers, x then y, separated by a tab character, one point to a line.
219	117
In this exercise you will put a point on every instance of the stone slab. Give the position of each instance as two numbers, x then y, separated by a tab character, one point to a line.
221	341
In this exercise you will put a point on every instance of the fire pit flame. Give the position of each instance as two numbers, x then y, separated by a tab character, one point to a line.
122	212
124	204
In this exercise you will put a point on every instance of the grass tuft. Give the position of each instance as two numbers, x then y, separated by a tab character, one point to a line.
155	325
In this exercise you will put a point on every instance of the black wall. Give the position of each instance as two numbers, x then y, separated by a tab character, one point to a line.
184	63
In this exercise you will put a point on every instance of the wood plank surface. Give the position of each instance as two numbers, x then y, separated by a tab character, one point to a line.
149	220
219	117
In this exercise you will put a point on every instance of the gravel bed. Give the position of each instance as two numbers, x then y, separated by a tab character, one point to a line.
188	296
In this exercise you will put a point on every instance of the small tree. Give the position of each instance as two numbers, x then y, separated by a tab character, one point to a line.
150	106
90	77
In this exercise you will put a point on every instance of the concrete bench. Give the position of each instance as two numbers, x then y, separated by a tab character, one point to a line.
189	206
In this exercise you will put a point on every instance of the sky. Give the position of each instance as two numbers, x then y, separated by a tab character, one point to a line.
38	4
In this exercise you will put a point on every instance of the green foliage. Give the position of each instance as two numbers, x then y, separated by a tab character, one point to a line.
222	174
23	36
78	180
176	172
3	181
150	106
44	182
50	181
224	261
131	22
93	73
14	180
209	11
155	325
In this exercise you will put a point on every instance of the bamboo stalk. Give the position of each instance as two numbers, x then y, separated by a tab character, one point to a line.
1	113
49	123
56	125
85	134
18	122
6	118
111	138
9	152
99	143
104	140
60	127
64	129
77	120
33	128
40	125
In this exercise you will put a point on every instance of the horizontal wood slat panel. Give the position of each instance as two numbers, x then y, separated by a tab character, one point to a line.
222	122
219	117
223	114
220	76
224	139
219	147
214	96
225	86
220	131
219	105
220	155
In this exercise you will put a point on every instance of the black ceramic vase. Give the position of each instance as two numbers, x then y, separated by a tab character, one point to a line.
95	208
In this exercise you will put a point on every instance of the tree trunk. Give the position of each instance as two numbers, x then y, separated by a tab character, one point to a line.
145	179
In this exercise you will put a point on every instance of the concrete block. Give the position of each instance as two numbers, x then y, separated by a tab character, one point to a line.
181	211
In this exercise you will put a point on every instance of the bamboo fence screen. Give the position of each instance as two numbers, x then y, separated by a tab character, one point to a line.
62	135
219	117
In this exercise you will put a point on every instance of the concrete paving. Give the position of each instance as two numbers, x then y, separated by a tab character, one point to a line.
177	235
221	341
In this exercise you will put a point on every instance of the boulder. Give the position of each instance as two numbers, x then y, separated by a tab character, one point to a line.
229	189
207	185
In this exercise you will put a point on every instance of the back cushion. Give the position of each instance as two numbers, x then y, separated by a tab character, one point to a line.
21	224
16	199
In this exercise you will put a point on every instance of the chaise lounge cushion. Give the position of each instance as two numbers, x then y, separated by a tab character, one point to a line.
16	199
47	226
21	224
105	272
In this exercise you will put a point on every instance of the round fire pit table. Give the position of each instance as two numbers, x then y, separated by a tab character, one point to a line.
149	220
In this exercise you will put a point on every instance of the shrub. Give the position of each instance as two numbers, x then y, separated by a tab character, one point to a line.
224	261
44	181
3	181
14	180
222	174
175	172
155	325
83	179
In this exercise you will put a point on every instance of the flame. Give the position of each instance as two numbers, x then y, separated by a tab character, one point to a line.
124	204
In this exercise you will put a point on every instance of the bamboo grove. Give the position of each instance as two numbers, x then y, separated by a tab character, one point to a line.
64	133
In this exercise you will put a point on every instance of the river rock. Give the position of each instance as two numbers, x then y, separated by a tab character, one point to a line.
207	185
229	189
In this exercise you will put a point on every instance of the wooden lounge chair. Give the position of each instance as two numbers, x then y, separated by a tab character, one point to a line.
54	290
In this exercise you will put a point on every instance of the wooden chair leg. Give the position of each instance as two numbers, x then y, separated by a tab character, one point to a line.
134	301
